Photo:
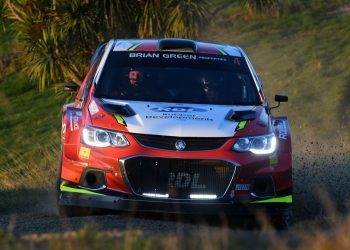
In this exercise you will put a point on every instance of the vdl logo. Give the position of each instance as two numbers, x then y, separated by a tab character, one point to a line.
178	109
185	180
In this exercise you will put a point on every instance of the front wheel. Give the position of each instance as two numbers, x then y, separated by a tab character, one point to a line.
283	218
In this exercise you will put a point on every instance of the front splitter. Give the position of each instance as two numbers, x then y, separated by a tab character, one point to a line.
121	203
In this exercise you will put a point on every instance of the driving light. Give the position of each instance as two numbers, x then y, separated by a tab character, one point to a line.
260	145
203	196
156	195
101	138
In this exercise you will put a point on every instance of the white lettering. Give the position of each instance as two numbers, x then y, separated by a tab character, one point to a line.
195	183
180	56
144	55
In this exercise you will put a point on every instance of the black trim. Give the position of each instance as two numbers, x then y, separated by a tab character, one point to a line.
124	110
192	143
124	204
243	115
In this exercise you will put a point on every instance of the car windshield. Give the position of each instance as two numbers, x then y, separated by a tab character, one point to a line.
177	77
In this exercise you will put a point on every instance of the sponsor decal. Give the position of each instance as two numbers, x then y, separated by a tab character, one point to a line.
165	55
179	113
178	109
144	55
242	187
237	61
93	109
64	128
84	153
283	130
212	58
182	117
120	120
98	116
157	55
74	122
241	125
185	180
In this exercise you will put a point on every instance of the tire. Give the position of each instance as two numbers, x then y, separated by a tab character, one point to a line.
283	218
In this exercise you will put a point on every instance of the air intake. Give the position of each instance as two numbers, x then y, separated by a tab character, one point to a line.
175	44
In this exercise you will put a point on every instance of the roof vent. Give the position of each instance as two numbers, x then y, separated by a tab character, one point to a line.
176	44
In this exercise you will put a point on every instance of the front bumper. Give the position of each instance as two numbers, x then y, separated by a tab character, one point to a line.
122	202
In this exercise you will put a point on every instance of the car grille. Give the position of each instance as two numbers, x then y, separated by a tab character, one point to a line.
192	143
177	178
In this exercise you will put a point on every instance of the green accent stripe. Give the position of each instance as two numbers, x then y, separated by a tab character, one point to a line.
222	51
273	159
76	190
134	46
120	119
285	199
241	125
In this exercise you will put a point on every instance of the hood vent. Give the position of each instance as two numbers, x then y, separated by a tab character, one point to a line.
243	115
119	109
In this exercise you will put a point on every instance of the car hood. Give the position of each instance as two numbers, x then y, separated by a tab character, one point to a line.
178	119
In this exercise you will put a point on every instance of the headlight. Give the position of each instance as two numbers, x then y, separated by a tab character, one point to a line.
101	138
262	144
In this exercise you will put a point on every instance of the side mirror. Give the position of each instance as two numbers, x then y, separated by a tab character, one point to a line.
71	87
280	98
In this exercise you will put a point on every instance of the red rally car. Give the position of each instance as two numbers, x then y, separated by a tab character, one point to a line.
174	125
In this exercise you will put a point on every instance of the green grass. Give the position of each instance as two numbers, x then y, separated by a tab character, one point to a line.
30	132
30	120
305	55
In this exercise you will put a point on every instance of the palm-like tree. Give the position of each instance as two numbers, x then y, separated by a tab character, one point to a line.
58	37
260	5
184	14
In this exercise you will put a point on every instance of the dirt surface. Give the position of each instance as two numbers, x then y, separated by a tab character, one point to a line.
321	173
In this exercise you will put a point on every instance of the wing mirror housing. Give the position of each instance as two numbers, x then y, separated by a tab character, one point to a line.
280	98
71	87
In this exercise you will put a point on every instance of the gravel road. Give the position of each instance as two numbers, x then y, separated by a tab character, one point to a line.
320	182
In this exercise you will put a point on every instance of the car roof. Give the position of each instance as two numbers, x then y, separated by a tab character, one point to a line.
154	45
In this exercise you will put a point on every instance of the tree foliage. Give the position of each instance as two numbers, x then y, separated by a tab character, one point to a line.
260	5
59	36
